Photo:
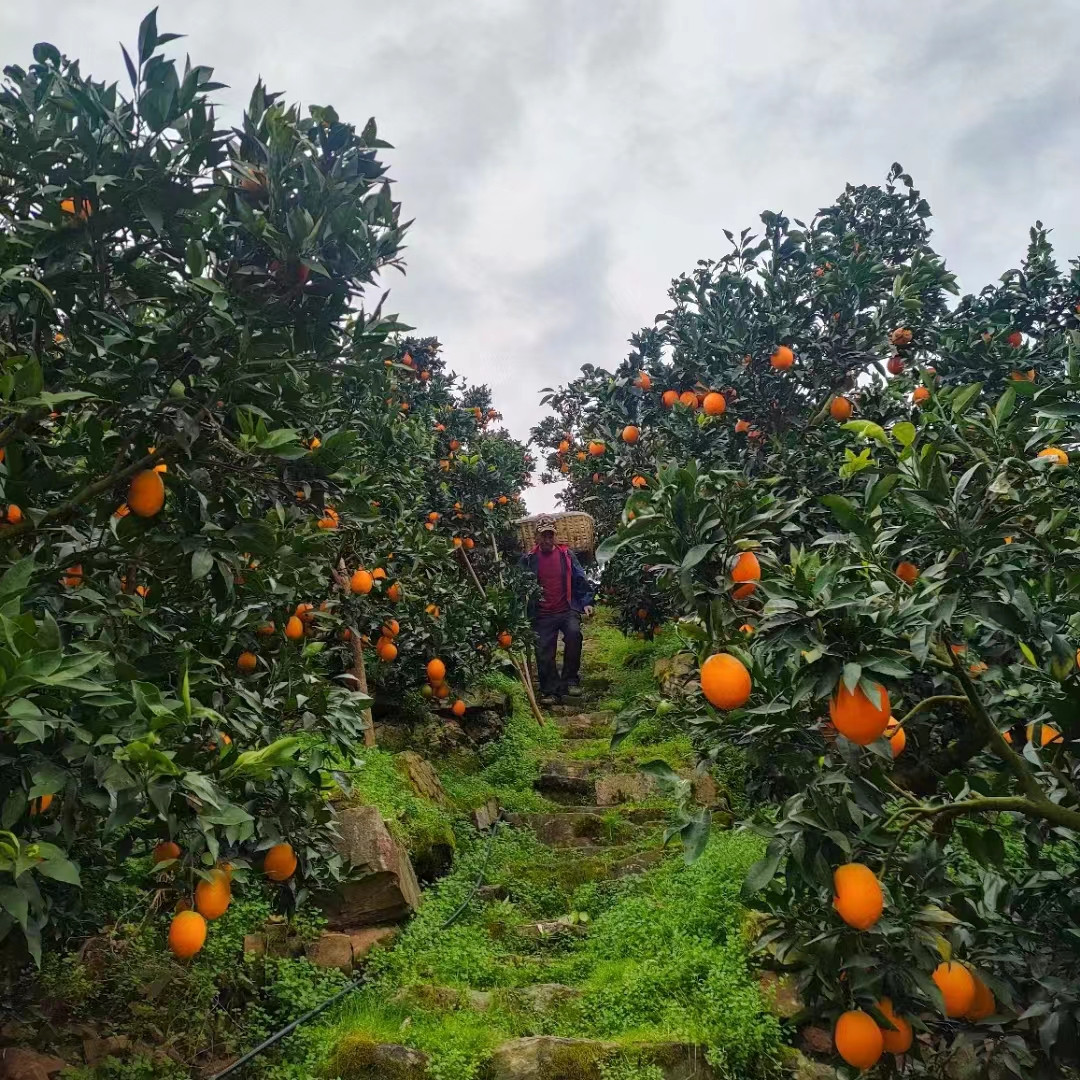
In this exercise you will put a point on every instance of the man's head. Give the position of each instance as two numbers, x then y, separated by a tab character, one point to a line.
545	534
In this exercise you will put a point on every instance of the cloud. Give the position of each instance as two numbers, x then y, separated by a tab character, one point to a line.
563	161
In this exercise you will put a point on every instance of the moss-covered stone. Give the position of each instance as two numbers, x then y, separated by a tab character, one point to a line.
359	1057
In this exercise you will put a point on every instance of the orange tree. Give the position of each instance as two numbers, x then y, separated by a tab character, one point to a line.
873	544
205	434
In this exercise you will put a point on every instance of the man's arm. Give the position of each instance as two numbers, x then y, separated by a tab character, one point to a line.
579	578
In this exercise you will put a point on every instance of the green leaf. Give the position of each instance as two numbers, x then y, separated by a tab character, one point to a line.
202	562
696	554
1005	405
904	432
763	871
59	870
1029	656
14	901
963	397
867	429
852	675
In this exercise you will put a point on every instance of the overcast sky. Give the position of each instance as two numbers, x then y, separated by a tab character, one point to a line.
564	160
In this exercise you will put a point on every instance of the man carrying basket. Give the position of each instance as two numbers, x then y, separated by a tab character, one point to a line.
565	595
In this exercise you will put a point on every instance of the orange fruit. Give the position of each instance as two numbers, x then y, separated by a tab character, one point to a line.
669	397
426	691
1059	456
167	849
315	443
67	206
689	399
265	630
294	628
630	434
212	896
386	650
303	612
470	543
746	629
746	568
279	863
436	670
977	668
895	365
580	455
246	662
564	446
391	628
146	495
503	500
782	358
742	425
983	1005
455	444
920	394
1015	339
643	381
361	582
840	408
442	690
457	539
458	708
857	717
73	576
858	898
595	448
725	681
898	1041
379	574
957	987
434	516
393	593
1048	734
714	404
505	640
897	737
900	337
858	1039
432	610
40	805
639	482
907	572
187	934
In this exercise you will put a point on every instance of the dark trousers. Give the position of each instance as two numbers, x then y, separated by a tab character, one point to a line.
548	628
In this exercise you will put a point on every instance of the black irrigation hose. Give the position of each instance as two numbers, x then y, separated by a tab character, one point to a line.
360	979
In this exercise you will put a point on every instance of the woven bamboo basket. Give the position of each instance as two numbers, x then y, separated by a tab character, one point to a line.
575	529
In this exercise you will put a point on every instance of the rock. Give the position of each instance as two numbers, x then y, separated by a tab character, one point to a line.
18	1063
422	778
14	1031
546	1057
781	994
545	997
254	945
95	1051
388	892
676	675
484	817
363	941
637	864
815	1040
492	894
280	942
800	1067
331	950
358	1057
615	788
706	791
488	700
540	930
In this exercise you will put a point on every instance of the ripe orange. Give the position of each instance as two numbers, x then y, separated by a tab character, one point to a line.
742	426
434	516
294	628
840	408
639	482
505	640
983	1004
858	1039
643	381
747	567
73	576
458	708
167	849
246	662
40	805
858	898
187	934
630	434
315	444
595	448
432	610
581	455
457	541
977	668
67	206
897	737
470	543
361	582
436	671
265	630
920	394
858	717
379	574
1047	734
442	690
689	399
669	397
391	628
714	404
1015	339
1059	456
212	896
146	495
455	444
898	1041
725	681
279	863
957	987
900	337
393	593
746	629
782	358
907	572
503	500
895	365
386	650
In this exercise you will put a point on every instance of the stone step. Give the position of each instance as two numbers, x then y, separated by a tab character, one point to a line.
566	781
554	1058
537	998
583	829
550	930
585	725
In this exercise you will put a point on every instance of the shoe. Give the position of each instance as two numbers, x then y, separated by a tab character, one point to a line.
549	699
575	691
